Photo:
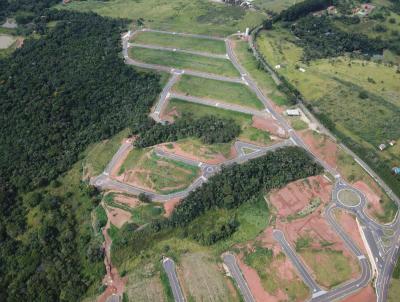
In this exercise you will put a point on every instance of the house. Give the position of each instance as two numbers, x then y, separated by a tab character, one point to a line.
392	142
396	170
293	112
382	147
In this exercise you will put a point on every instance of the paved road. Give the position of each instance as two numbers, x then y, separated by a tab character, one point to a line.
234	270
164	96
122	151
169	267
192	52
298	264
219	104
372	230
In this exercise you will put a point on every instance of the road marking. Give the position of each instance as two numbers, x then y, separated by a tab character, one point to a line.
361	257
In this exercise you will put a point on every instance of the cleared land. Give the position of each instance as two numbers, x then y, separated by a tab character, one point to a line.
6	41
203	280
249	132
181	42
224	91
145	169
182	60
201	16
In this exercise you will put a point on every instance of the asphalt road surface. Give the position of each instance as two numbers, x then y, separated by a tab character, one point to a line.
372	231
169	267
234	270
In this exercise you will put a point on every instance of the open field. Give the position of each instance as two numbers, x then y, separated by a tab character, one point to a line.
277	276
201	16
224	91
147	170
6	41
263	79
203	280
144	285
394	291
184	61
273	5
180	42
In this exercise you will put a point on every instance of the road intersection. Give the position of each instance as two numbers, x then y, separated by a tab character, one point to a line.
381	258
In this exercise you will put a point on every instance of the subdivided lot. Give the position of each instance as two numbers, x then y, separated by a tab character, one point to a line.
182	60
177	107
203	280
145	284
275	273
180	42
262	78
194	149
228	92
145	169
133	210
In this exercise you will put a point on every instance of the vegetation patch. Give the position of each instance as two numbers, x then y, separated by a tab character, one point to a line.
184	61
235	93
180	42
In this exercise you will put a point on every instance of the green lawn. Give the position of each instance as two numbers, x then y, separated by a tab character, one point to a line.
255	135
200	16
225	91
184	61
181	42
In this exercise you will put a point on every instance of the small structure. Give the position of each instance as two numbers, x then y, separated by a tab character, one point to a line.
331	10
247	32
302	69
382	147
392	142
278	66
293	112
396	170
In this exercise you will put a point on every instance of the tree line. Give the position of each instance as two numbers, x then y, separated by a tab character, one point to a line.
303	8
64	89
209	129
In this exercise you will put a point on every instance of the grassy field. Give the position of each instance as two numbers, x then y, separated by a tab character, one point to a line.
255	135
184	61
196	147
330	267
225	91
349	197
201	16
156	173
273	5
262	260
298	124
181	42
203	280
394	290
358	99
262	78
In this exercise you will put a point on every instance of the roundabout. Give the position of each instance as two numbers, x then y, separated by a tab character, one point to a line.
348	198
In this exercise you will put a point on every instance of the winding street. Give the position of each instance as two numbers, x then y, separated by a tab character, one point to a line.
382	262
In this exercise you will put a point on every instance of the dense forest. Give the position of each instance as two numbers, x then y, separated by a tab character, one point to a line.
63	90
303	8
235	185
210	129
25	10
320	39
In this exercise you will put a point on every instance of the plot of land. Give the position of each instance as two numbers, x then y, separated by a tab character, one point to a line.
180	42
145	169
270	125
6	41
194	149
297	196
235	93
184	61
203	280
144	285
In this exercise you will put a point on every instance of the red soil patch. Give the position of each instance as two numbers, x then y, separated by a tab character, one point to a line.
297	195
127	200
349	224
213	159
169	206
115	284
269	124
254	282
367	294
372	197
323	147
118	217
